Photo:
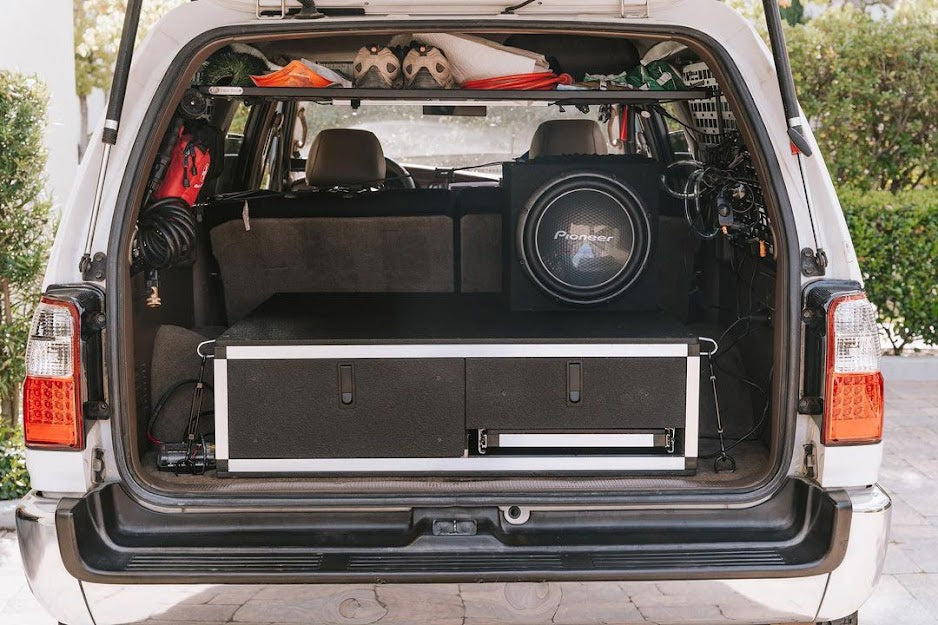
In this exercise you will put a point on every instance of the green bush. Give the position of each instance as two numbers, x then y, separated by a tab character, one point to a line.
14	480
870	89
25	224
896	240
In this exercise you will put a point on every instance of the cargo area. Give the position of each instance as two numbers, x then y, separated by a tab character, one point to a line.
381	266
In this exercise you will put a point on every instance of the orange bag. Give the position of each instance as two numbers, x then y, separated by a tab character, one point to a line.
295	74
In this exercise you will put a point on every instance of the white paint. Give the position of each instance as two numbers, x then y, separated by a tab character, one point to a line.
59	471
37	38
853	581
849	465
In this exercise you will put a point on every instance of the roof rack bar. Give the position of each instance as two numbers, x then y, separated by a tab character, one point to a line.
260	10
561	96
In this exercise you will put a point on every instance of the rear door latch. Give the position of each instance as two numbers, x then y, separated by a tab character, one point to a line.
813	262
454	527
810	461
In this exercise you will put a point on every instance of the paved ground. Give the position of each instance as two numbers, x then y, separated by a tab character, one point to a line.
907	594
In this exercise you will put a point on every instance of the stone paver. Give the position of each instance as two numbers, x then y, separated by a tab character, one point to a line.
907	594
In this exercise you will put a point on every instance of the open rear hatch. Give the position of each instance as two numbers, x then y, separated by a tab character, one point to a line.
108	537
558	320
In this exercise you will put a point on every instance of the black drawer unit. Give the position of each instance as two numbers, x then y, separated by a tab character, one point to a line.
583	393
354	408
451	384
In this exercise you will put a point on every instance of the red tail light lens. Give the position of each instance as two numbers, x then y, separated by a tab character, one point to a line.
853	396
52	390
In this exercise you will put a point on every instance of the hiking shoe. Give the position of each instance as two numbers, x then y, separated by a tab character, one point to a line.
426	67
376	67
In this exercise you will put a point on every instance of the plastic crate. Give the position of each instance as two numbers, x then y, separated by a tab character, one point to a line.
704	112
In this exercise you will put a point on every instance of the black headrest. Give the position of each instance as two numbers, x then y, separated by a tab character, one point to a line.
345	157
559	137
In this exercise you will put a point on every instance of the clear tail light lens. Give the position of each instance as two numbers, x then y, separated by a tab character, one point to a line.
52	390
853	395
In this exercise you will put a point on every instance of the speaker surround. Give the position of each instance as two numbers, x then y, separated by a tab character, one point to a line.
584	237
582	232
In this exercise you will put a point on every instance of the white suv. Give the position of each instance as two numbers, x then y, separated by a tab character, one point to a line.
471	313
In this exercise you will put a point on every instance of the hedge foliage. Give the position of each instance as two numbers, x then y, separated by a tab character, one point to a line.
896	240
870	89
25	223
14	480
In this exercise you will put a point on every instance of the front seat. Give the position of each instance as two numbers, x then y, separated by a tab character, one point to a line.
345	157
565	137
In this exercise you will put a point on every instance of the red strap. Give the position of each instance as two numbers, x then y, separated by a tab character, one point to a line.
525	82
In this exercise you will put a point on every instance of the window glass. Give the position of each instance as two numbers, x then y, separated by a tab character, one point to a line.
408	136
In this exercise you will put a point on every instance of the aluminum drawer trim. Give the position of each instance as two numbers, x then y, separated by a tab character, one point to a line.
459	350
221	408
457	465
572	439
692	412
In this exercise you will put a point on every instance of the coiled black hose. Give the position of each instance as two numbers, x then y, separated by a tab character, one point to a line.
165	233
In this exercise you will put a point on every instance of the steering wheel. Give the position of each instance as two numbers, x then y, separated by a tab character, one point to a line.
396	177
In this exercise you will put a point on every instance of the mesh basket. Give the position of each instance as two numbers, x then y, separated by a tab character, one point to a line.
704	112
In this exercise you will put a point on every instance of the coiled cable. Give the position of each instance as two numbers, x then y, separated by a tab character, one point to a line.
166	231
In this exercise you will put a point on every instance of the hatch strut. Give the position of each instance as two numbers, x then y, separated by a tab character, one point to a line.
94	268
813	262
773	21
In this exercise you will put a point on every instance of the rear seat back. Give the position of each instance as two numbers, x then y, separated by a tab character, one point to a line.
390	241
324	242
479	238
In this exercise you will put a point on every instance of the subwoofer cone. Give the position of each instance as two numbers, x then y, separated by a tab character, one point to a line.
584	237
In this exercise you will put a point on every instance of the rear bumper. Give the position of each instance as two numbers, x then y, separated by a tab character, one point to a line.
776	596
109	537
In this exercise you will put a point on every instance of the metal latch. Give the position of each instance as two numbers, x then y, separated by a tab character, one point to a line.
97	465
454	527
265	12
92	267
810	461
813	262
669	440
483	442
634	8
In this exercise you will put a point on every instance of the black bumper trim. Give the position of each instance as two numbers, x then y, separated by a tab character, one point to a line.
107	537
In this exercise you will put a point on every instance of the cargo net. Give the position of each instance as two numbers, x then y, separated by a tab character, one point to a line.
706	115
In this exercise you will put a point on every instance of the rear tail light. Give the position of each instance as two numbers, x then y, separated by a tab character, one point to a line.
853	394
52	390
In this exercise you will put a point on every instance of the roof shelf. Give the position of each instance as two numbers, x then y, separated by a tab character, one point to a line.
457	95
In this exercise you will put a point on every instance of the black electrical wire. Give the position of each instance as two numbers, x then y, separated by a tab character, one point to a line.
510	10
745	437
162	401
166	231
661	110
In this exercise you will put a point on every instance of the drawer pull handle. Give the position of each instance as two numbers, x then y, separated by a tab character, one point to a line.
346	385
574	382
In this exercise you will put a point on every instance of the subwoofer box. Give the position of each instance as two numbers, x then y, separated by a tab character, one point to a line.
596	213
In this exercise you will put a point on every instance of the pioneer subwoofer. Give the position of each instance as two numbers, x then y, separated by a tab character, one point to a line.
581	232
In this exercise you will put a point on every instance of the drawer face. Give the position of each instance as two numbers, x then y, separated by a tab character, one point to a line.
398	408
614	393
